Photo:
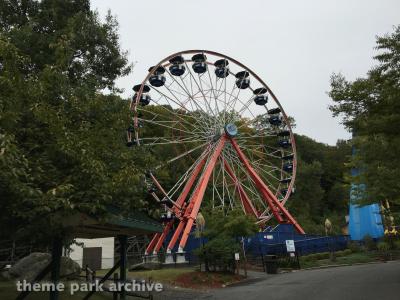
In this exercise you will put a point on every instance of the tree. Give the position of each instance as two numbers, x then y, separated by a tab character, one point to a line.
370	108
223	233
61	146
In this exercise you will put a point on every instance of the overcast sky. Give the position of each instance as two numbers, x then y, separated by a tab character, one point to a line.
294	46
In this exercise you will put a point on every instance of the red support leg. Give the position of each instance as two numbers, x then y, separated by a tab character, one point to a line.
152	243
182	197
176	235
159	238
247	205
273	202
181	200
198	193
162	237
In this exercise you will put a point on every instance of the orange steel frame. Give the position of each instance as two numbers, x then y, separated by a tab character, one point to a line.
187	214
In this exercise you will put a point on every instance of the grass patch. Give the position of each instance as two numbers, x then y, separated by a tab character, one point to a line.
159	275
184	277
353	258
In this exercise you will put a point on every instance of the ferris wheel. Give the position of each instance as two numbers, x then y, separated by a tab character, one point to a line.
222	137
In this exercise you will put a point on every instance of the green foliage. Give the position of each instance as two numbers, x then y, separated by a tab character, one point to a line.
370	108
354	246
369	243
396	244
223	233
383	246
320	191
325	255
60	138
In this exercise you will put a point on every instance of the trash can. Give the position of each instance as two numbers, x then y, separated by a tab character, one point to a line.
271	264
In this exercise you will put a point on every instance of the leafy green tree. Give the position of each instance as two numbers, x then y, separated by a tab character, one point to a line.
319	189
224	234
370	108
61	138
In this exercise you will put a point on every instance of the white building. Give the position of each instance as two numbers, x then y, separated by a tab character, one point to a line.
96	253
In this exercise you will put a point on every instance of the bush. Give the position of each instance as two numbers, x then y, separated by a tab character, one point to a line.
396	244
323	255
316	256
347	252
343	253
383	247
310	257
369	243
354	246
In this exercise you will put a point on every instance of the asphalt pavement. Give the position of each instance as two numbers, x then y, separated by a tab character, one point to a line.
379	281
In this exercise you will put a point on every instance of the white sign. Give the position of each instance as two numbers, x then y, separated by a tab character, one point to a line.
270	237
236	256
290	246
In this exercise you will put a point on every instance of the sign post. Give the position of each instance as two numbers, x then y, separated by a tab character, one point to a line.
290	246
237	258
291	249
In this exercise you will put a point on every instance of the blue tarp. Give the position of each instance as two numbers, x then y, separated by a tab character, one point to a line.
363	220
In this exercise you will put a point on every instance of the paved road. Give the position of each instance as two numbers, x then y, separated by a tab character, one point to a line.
362	282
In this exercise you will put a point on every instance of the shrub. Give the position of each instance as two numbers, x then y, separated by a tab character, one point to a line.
396	244
383	247
354	246
369	243
347	252
343	253
324	255
309	257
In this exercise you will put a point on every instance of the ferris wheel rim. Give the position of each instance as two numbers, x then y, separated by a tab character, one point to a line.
165	62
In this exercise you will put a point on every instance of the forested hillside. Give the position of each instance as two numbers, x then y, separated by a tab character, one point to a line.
320	188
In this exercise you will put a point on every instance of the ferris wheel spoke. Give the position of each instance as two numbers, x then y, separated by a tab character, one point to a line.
208	102
165	141
234	160
190	96
187	174
245	105
168	99
244	136
215	96
183	155
253	148
262	171
215	190
247	122
231	105
163	124
264	168
170	113
209	109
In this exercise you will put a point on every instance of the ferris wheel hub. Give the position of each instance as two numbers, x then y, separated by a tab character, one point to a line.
231	129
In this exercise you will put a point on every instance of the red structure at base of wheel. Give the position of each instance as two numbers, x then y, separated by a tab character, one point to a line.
187	214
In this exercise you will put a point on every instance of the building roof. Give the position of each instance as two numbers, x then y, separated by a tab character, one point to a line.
134	223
